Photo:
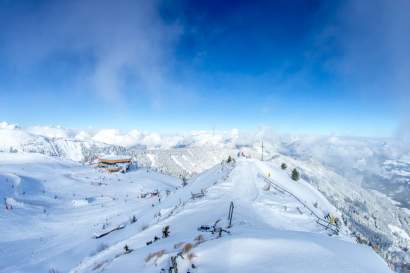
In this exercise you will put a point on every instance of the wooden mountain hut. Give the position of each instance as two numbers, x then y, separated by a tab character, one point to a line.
114	164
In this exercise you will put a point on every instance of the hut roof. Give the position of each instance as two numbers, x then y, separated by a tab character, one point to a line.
113	160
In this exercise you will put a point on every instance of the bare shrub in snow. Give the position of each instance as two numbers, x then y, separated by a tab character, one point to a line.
199	240
190	257
133	219
187	248
156	255
230	159
99	265
184	181
101	247
179	245
144	227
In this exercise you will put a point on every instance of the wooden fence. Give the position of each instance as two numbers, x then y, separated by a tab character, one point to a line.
319	220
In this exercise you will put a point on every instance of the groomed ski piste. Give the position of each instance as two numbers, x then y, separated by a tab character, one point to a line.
63	216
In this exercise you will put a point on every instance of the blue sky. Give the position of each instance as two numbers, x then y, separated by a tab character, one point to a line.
297	66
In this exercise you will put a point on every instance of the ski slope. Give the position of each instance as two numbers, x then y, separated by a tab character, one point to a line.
59	208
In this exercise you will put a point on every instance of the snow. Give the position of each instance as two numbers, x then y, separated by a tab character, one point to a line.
152	159
50	132
16	138
400	232
362	179
177	161
65	204
280	251
115	157
114	136
79	203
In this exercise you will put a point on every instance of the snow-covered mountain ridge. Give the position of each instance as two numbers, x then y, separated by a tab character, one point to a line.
366	179
67	217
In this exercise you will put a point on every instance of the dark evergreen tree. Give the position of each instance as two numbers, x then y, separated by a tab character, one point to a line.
165	232
295	175
284	166
126	249
184	181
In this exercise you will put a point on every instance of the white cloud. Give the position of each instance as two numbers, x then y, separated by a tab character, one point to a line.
5	125
126	44
50	132
115	137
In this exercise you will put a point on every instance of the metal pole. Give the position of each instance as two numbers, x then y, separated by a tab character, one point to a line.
230	214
